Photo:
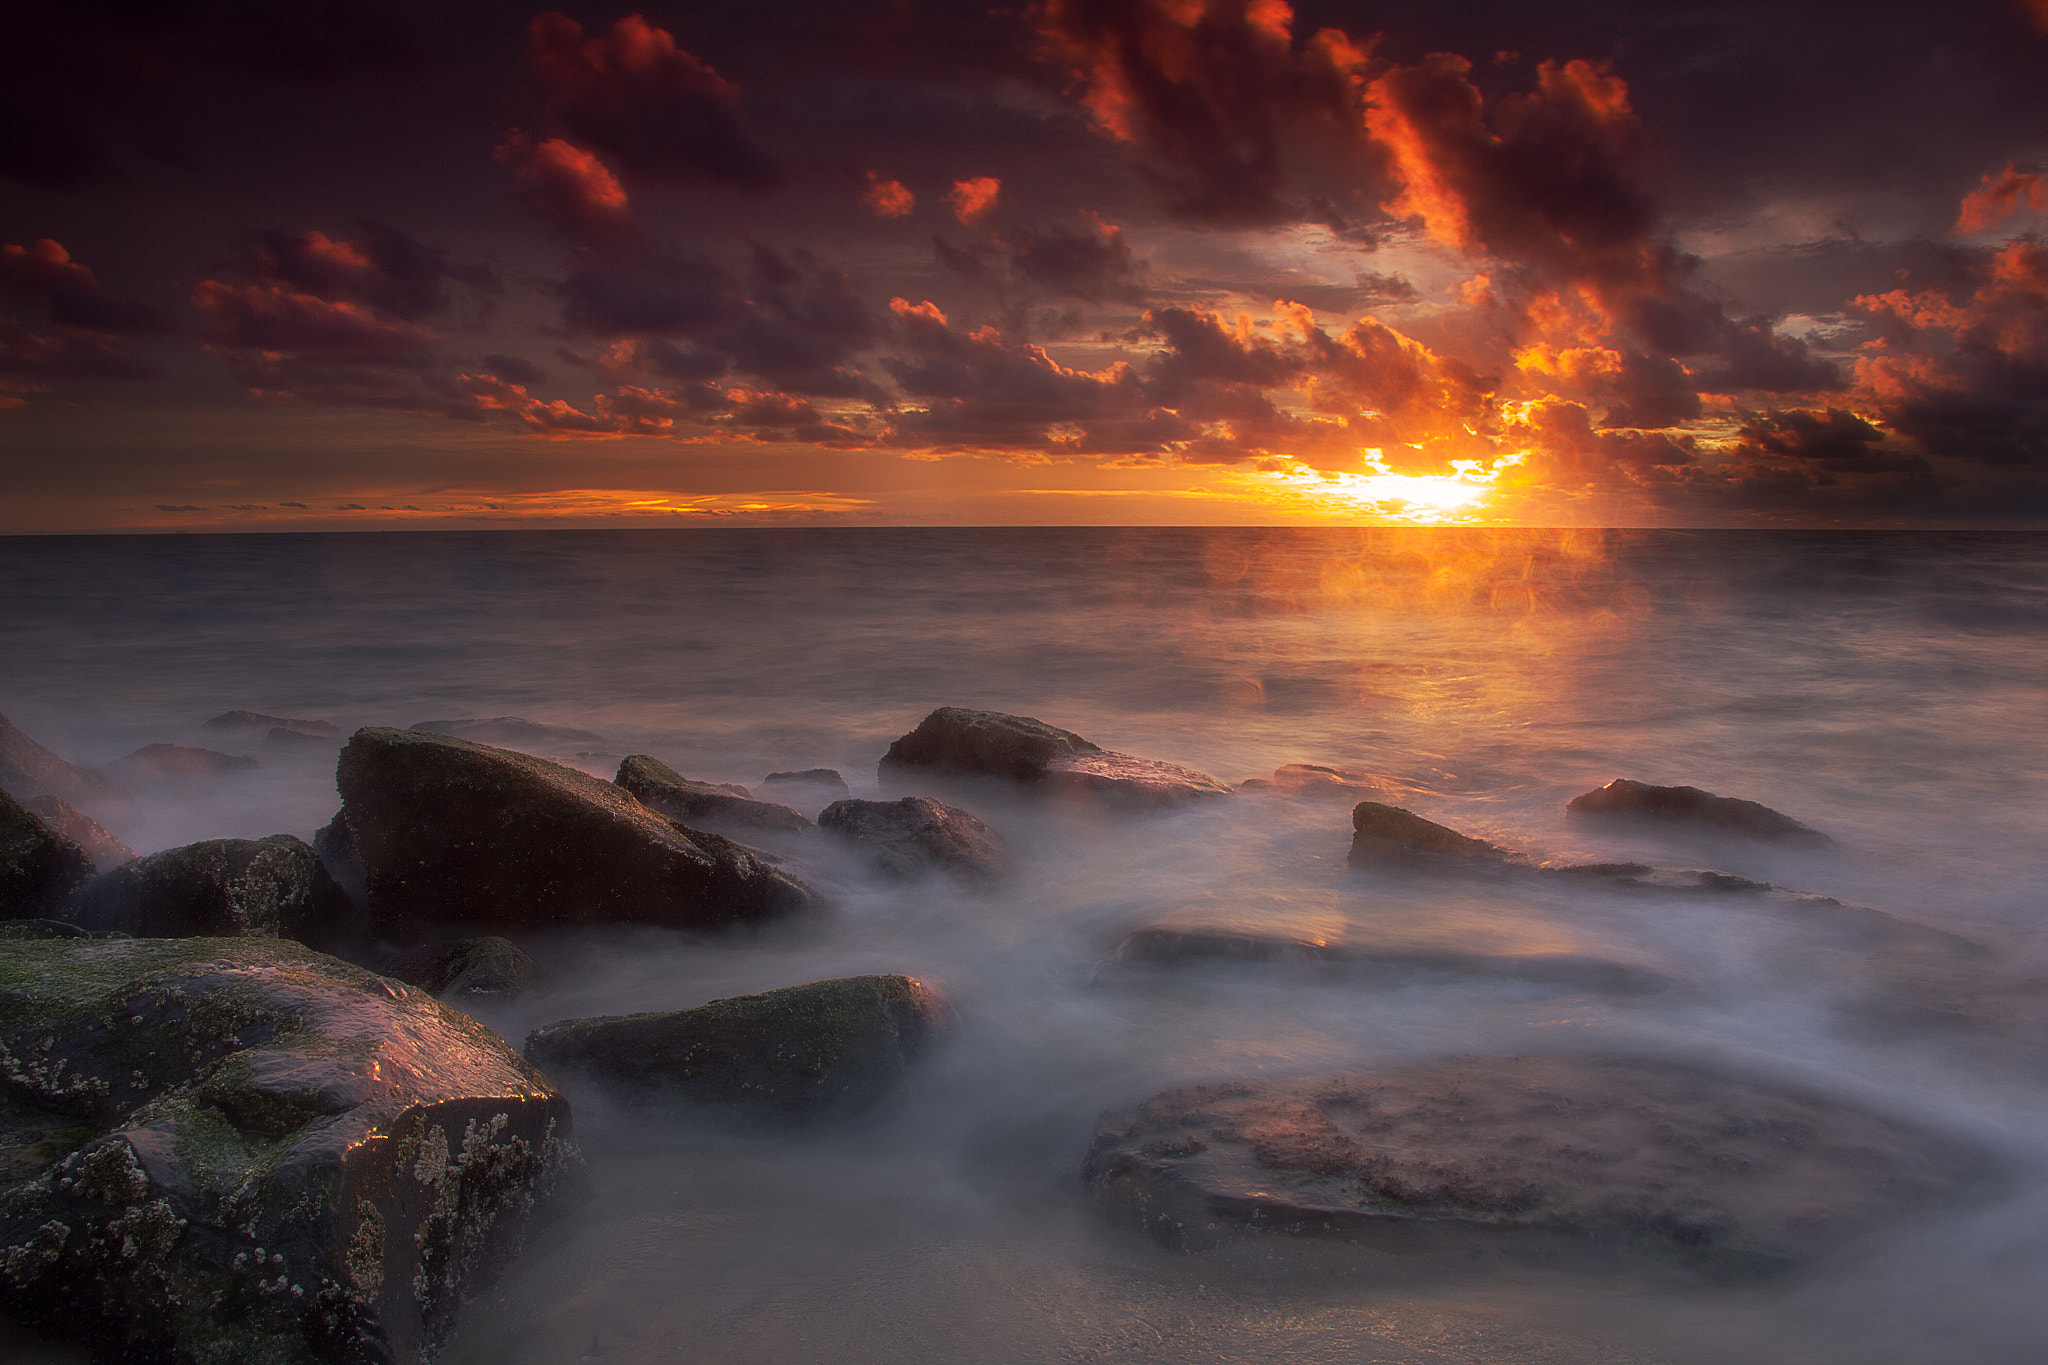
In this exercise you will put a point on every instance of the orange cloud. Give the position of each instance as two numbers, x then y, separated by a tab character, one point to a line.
887	198
573	182
2002	195
272	317
973	200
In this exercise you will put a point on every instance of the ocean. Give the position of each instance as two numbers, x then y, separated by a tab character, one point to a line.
1889	688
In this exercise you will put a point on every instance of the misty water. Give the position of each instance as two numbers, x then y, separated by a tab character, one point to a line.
1888	688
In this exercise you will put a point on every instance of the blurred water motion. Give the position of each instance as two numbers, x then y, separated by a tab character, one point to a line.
1884	687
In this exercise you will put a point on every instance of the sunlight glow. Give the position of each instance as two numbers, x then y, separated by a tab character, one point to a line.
1458	497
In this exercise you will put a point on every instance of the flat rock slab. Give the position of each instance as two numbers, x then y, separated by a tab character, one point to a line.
241	1150
452	832
789	1055
40	869
1626	802
659	787
220	888
956	742
1734	1176
917	835
27	769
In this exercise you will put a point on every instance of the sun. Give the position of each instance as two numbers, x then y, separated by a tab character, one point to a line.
1457	496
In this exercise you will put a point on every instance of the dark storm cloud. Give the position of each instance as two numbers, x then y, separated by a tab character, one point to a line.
34	356
376	266
1835	441
513	369
43	277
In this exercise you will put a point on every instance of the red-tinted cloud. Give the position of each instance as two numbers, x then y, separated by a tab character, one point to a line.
273	317
887	198
573	184
2002	195
974	200
376	266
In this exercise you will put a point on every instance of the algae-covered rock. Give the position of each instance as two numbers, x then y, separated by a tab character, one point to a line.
27	770
220	888
39	867
1624	802
453	832
787	1055
100	845
233	1150
1737	1176
1388	836
484	968
955	742
916	835
659	787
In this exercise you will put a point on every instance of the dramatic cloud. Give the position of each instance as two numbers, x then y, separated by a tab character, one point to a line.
44	277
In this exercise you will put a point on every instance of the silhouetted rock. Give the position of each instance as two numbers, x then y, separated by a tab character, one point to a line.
823	779
29	770
916	835
180	760
954	742
39	867
1736	1176
244	721
222	888
452	832
659	787
281	740
1623	802
89	834
1387	836
241	1150
790	1055
474	969
510	732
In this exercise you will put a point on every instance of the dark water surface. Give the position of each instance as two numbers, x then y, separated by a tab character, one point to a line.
1889	688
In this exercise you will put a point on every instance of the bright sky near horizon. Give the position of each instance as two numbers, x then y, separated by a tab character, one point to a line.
358	264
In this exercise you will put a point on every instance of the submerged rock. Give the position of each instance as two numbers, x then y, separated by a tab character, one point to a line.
659	787
220	888
89	834
241	1150
39	867
1736	1176
474	969
788	1055
242	721
818	779
1626	802
1314	782
510	732
955	742
453	832
29	770
1388	836
181	760
916	835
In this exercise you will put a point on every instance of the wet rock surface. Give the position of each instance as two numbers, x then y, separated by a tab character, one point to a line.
485	968
1731	1175
249	722
105	850
1388	836
916	835
241	1150
659	787
170	761
1314	782
40	868
955	742
220	888
785	1056
453	832
28	770
1623	802
511	732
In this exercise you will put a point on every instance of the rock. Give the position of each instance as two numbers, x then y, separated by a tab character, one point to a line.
827	779
914	836
454	832
474	969
28	770
510	732
1735	1176
180	760
954	742
1172	945
1623	802
89	834
658	787
233	721
222	888
1315	782
39	867
241	1150
1387	836
786	1055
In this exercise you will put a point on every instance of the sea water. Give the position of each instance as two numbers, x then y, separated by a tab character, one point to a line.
1888	688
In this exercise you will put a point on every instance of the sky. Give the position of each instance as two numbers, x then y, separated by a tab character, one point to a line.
361	265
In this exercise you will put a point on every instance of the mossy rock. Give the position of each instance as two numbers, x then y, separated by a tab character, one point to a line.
789	1055
234	1149
39	868
475	969
221	888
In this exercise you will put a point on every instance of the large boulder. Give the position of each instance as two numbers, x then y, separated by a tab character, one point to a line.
27	769
221	888
788	1055
473	970
1737	1176
1388	836
1625	802
39	867
241	1150
660	787
89	834
917	835
453	832
954	742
